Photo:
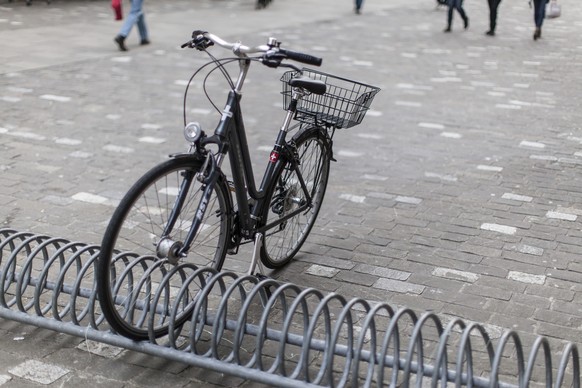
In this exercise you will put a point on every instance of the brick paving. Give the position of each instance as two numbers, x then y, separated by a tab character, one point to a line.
460	192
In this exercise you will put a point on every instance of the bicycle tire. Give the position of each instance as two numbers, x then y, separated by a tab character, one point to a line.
282	243
129	268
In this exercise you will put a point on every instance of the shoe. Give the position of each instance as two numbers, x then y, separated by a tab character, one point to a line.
466	23
448	29
357	11
490	33
120	40
144	42
537	34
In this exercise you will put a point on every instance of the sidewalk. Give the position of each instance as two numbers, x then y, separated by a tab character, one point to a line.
69	31
460	192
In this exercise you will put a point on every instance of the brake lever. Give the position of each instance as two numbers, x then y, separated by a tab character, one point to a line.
198	44
271	62
291	66
274	59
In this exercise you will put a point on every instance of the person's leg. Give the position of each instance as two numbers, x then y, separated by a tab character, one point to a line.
462	13
141	24
493	6
358	5
451	4
539	15
496	2
143	30
539	12
131	18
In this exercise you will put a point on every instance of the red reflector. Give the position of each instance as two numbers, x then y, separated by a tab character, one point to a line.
274	157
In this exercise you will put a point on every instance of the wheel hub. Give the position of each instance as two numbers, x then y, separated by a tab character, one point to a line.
169	249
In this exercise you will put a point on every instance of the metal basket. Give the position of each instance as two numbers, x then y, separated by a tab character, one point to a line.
343	105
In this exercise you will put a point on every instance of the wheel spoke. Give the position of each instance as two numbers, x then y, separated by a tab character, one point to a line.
283	242
134	233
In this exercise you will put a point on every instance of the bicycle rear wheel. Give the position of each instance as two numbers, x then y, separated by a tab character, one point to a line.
138	276
282	242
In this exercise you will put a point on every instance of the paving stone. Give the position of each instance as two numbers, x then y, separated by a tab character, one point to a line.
429	280
510	322
398	286
39	372
569	308
558	331
356	278
499	228
372	260
530	250
463	259
455	274
561	216
563	284
539	290
319	270
334	261
480	250
557	318
488	270
468	313
487	292
526	277
100	349
381	271
422	305
510	308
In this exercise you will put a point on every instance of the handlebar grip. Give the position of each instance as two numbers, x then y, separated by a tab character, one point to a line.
303	58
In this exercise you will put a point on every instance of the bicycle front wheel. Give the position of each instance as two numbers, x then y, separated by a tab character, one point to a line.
140	274
282	242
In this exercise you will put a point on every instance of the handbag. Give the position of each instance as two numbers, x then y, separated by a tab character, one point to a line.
553	9
116	5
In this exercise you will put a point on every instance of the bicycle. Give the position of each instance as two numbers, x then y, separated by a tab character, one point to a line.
180	216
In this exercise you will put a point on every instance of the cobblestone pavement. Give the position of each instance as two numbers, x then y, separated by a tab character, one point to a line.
460	192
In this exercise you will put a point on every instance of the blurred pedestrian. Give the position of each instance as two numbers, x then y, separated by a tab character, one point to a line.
358	6
135	16
458	5
493	5
539	15
262	4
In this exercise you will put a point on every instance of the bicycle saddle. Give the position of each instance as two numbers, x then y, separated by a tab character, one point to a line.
312	85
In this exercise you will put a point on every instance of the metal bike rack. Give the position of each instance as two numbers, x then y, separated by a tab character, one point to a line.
277	334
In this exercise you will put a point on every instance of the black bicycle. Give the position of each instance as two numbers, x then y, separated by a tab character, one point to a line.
181	215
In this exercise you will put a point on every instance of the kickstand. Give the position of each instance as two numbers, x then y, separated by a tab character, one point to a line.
256	263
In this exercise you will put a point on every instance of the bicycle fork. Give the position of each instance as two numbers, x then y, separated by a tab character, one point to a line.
176	250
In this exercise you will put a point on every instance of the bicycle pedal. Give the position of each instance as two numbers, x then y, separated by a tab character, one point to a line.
261	277
268	289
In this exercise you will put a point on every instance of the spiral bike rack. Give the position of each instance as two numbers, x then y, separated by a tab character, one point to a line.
269	332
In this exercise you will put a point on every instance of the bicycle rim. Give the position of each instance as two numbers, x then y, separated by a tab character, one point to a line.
132	275
282	242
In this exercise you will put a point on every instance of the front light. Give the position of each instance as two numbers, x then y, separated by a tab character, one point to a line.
193	131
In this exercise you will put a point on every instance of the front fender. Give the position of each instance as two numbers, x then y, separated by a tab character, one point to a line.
193	156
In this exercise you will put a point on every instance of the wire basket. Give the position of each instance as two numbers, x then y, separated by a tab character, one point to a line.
343	105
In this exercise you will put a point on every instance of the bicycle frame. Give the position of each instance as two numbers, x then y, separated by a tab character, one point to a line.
230	137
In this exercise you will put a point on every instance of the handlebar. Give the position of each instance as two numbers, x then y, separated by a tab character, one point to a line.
272	53
301	57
